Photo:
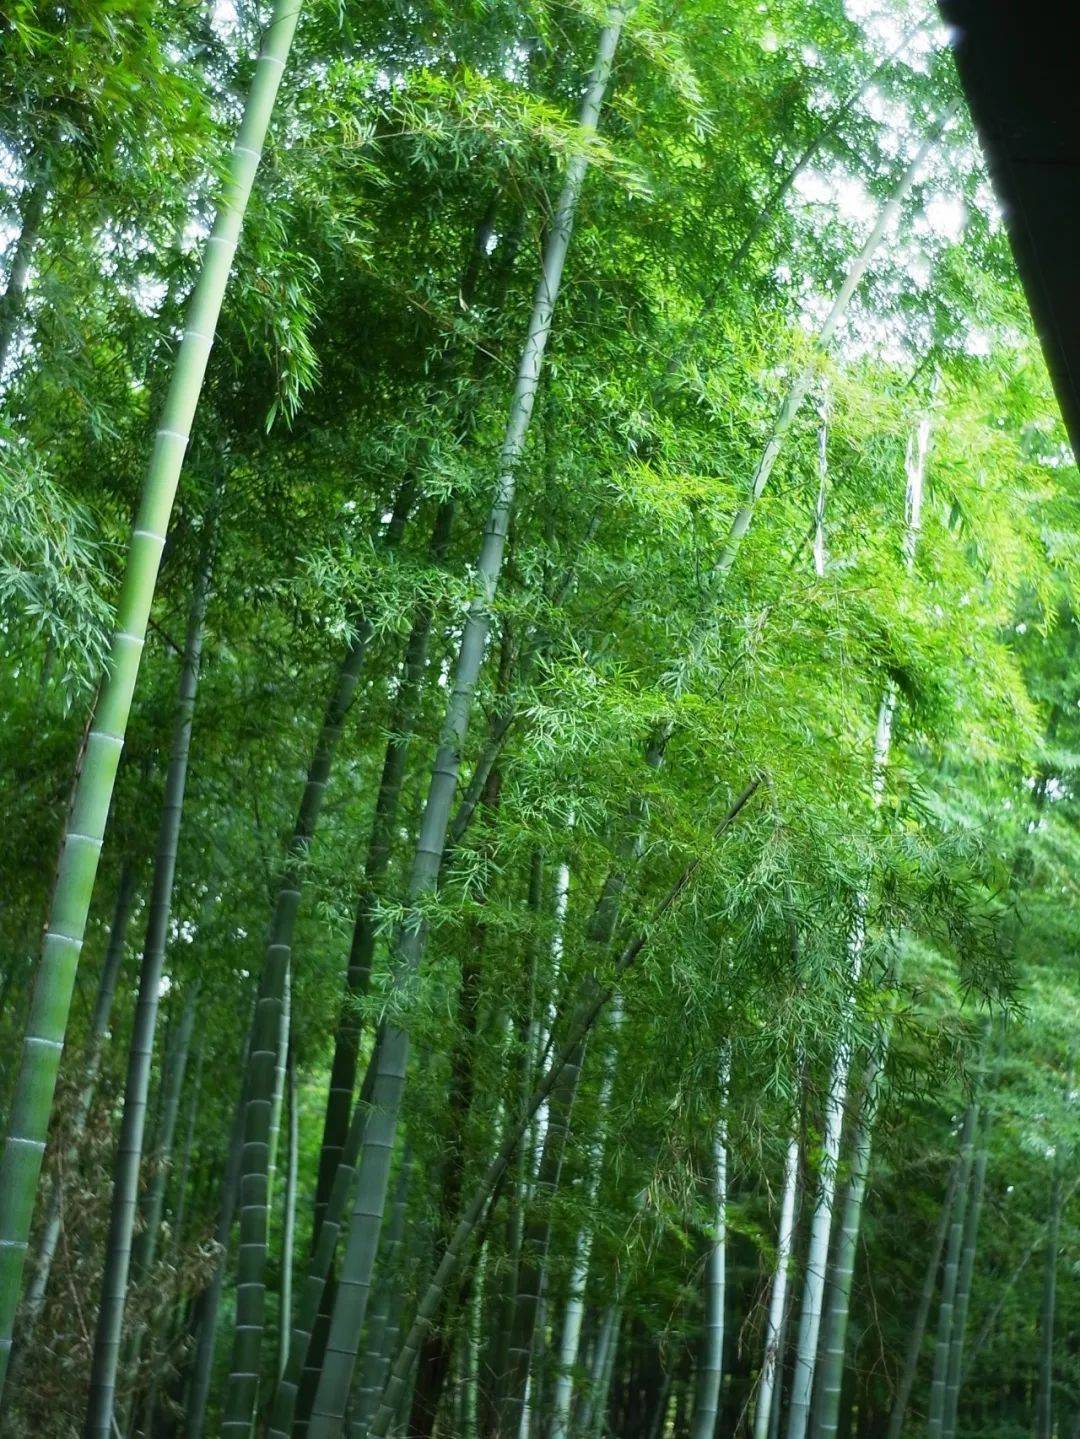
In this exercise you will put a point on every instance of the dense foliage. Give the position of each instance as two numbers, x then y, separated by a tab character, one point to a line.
584	940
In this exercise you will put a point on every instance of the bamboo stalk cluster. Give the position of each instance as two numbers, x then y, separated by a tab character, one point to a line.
578	994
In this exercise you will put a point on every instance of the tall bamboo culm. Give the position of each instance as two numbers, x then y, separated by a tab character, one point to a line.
393	1051
125	1196
77	870
711	1361
936	1421
767	1396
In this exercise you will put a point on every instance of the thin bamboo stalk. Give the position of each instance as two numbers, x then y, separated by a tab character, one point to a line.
362	1246
936	1419
778	1293
125	1197
917	1331
710	1367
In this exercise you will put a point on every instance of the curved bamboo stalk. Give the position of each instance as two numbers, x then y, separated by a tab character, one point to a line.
85	831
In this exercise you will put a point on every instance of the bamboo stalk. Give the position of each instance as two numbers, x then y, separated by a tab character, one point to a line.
125	1197
85	831
358	1263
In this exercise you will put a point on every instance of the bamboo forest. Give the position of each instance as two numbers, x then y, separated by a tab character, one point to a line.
540	742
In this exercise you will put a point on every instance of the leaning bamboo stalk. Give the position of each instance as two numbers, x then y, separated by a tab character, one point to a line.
801	384
277	1102
376	868
85	831
261	1075
288	1211
811	1313
322	1257
775	199
359	1259
208	1305
536	1237
144	1252
180	1212
182	1196
145	1242
898	1413
545	1172
379	1337
987	1327
1044	1412
594	1406
838	1304
16	292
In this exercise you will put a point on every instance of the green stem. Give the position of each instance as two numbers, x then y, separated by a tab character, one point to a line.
767	1399
936	1420
963	1284
1044	1414
262	1065
125	1197
288	1223
376	868
922	1312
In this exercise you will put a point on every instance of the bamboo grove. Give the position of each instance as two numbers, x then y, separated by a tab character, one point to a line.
540	701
